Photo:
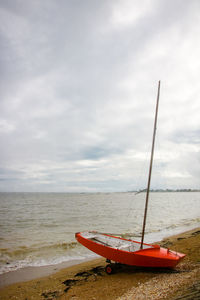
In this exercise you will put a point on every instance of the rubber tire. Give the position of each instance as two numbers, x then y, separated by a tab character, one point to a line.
109	269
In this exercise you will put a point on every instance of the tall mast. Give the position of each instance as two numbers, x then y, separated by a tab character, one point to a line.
150	167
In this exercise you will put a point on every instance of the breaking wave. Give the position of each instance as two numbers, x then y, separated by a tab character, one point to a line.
24	250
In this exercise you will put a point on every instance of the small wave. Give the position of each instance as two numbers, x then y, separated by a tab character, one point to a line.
36	255
15	265
184	222
28	257
24	250
25	256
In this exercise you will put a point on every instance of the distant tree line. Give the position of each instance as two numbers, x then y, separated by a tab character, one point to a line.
169	190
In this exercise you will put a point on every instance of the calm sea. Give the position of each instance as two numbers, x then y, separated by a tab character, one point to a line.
37	229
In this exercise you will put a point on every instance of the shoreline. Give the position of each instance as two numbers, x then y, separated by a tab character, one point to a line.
30	273
33	272
62	281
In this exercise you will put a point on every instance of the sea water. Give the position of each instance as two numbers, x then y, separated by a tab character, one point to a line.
37	229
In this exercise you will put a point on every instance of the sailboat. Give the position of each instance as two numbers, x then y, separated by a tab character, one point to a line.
129	252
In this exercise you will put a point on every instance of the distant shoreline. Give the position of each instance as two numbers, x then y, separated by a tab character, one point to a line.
108	192
167	191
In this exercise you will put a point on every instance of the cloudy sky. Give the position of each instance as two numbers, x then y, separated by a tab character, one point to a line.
78	88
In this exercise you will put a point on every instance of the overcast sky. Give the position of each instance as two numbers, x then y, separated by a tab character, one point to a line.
78	90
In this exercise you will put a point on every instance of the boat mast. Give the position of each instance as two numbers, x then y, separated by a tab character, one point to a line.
150	167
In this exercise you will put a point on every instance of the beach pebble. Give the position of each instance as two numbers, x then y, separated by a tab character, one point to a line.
162	286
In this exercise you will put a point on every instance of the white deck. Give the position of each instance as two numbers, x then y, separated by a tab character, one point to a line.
113	242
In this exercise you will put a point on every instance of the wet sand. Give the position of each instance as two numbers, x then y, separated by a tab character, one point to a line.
88	280
30	273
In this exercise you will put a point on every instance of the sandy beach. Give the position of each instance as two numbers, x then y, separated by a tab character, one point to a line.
88	280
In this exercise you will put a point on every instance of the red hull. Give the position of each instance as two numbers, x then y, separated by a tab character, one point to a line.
149	256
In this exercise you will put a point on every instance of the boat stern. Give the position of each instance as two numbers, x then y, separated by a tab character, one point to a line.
172	257
159	257
177	255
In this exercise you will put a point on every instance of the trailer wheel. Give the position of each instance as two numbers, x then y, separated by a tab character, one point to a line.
109	269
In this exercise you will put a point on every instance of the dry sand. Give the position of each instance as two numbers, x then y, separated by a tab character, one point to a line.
88	280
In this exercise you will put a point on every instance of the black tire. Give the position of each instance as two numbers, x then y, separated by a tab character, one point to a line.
109	269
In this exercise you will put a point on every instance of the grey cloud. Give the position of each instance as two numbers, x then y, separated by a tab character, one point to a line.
78	91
